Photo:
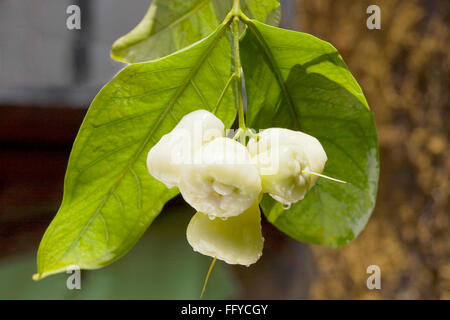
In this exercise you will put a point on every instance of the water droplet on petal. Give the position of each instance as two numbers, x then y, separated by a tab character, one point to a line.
223	218
211	216
286	206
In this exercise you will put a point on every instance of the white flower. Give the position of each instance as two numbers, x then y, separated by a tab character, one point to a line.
238	240
284	159
224	182
177	148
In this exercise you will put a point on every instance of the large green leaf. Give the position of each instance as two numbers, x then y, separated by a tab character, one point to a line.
297	81
161	266
170	25
109	197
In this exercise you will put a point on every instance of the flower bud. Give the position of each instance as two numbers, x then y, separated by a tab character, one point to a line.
177	148
238	240
284	159
224	182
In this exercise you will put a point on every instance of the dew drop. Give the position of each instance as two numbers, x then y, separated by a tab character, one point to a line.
211	216
286	206
223	218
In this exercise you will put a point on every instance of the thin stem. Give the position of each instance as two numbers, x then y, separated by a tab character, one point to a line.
207	277
238	134
236	8
237	65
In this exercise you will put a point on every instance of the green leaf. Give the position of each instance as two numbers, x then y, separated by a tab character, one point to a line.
267	11
297	81
109	197
161	266
170	25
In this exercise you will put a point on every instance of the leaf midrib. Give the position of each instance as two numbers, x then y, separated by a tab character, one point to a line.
219	33
275	69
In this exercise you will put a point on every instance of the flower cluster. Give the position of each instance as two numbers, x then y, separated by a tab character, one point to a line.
224	180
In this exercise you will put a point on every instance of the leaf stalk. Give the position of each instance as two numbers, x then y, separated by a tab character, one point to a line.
238	72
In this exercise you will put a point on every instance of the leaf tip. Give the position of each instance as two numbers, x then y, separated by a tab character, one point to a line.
36	277
114	53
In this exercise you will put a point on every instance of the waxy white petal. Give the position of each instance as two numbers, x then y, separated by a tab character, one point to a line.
236	240
203	125
283	158
222	182
177	148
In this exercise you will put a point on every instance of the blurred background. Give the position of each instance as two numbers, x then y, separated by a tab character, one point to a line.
49	75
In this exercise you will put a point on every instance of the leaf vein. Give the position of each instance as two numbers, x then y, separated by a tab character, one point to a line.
139	187
202	97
